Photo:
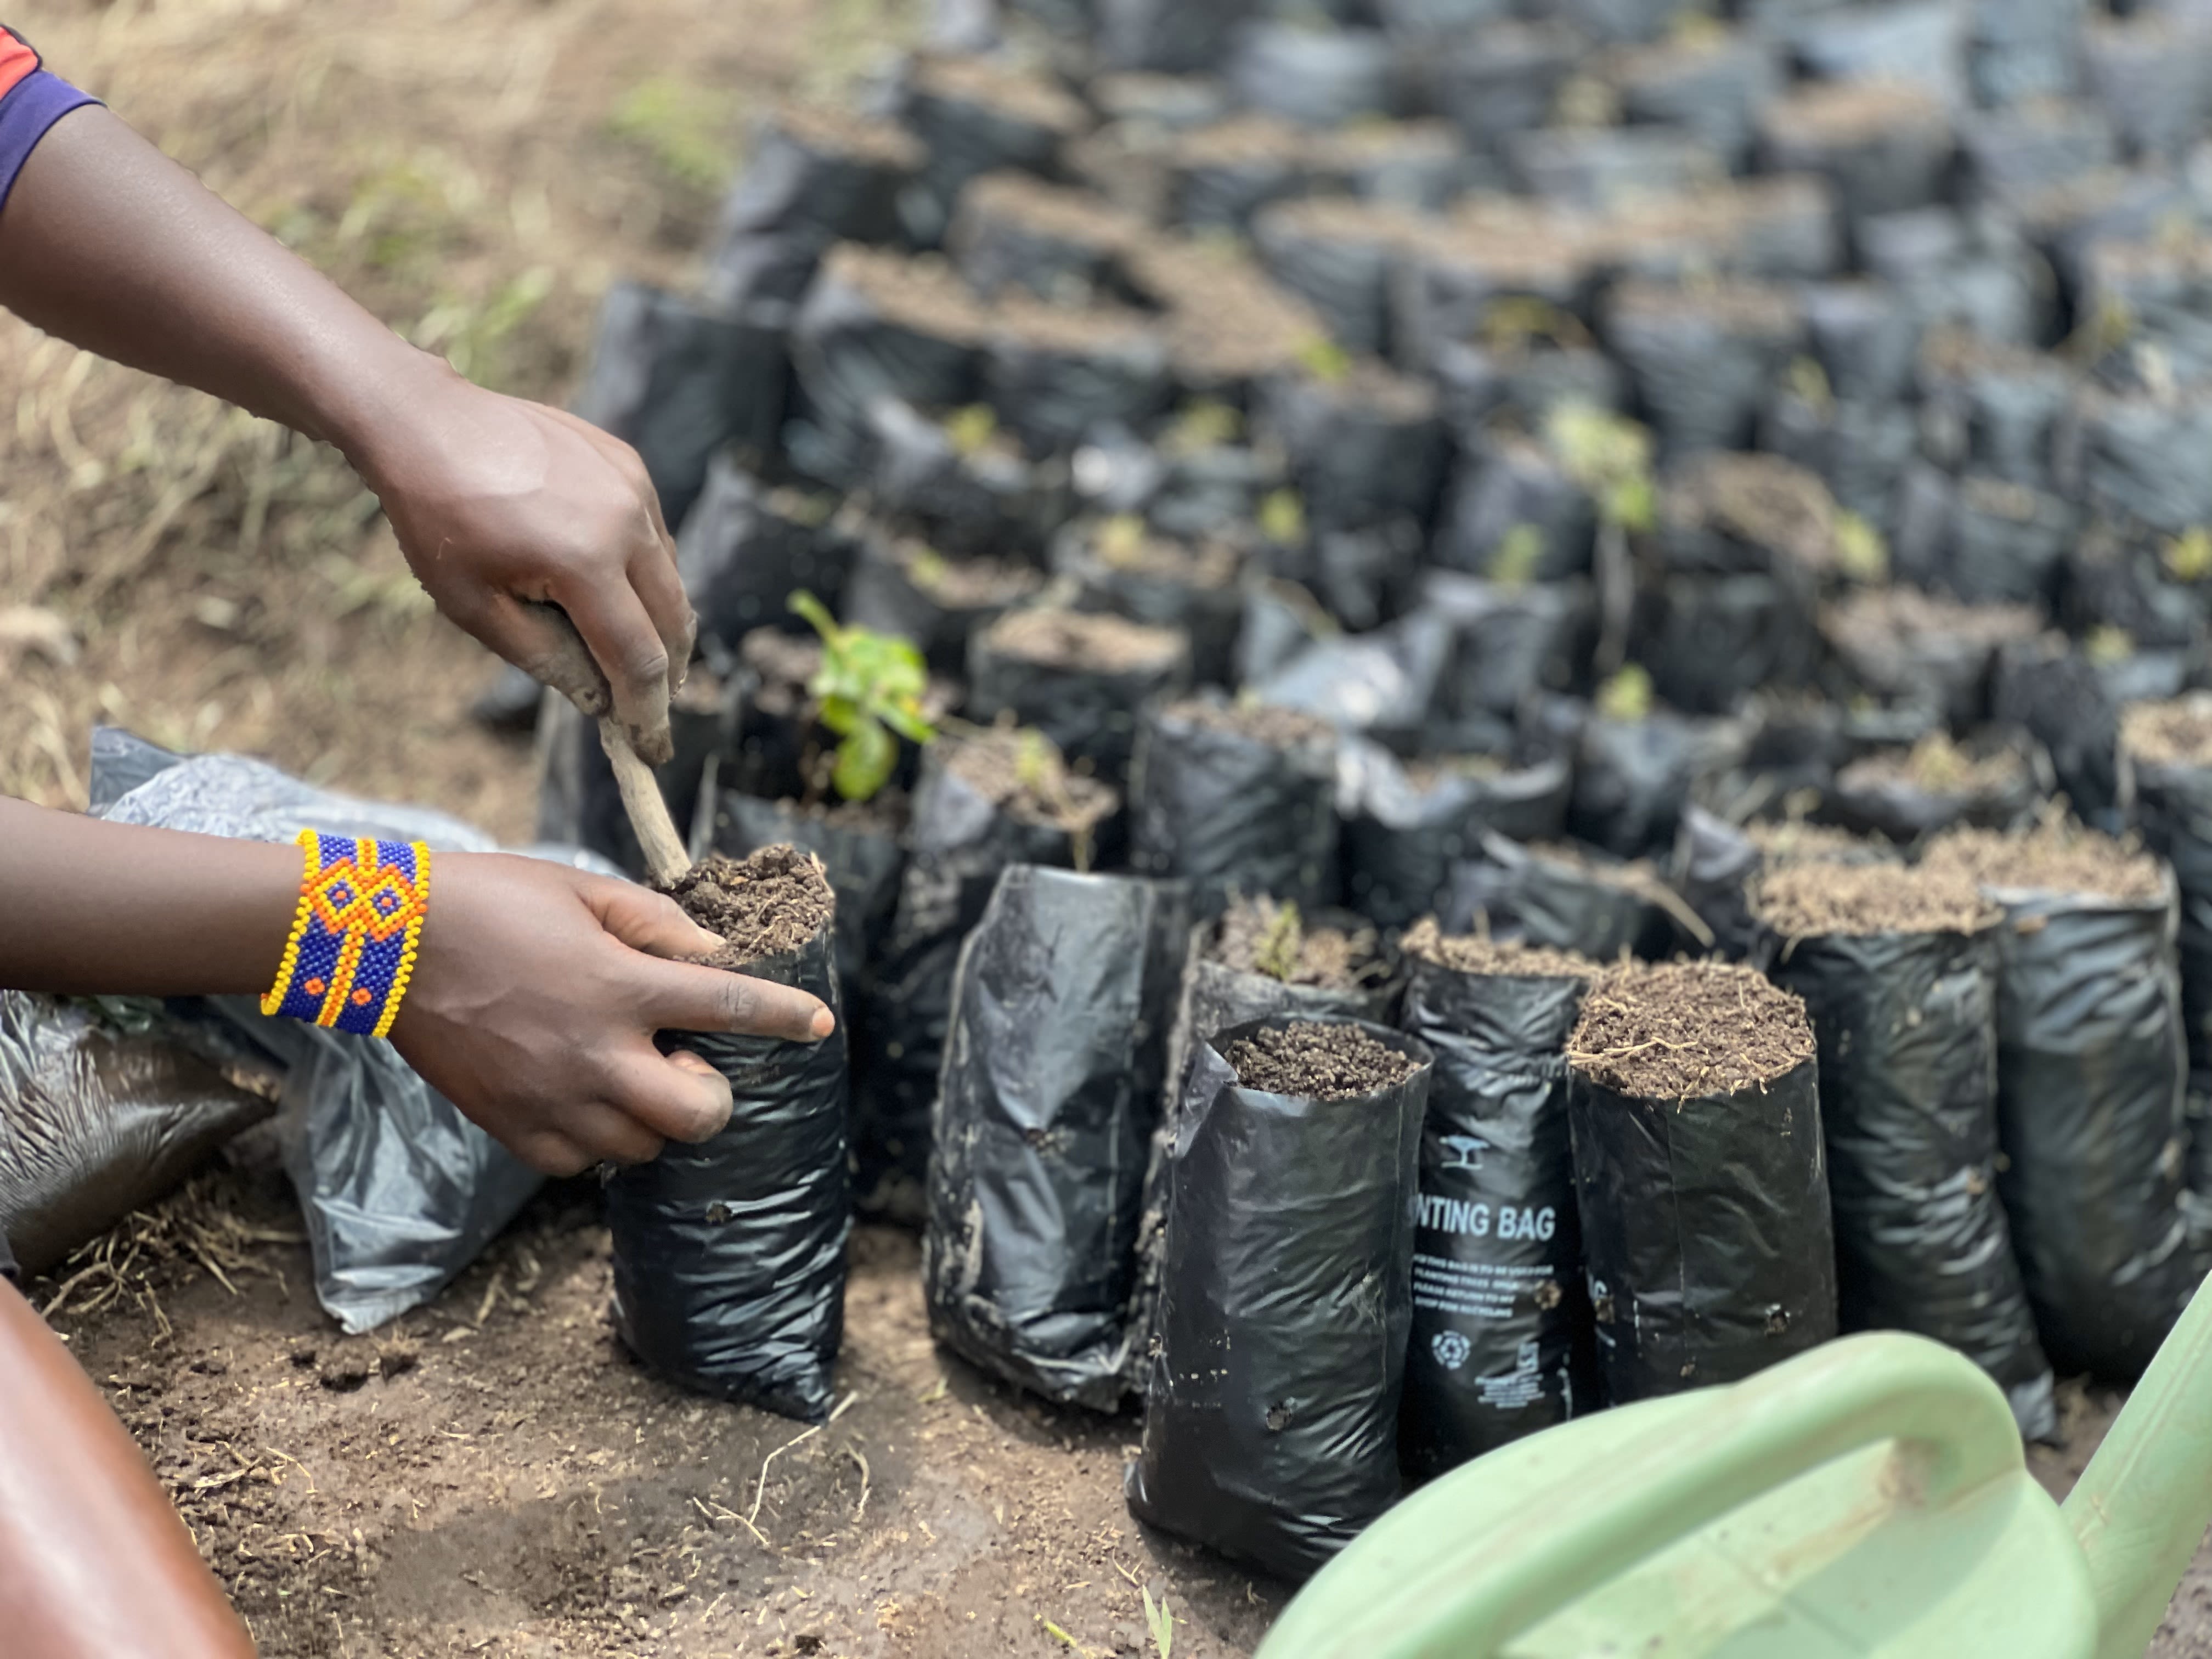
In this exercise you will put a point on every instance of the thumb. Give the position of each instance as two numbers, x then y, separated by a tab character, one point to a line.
649	921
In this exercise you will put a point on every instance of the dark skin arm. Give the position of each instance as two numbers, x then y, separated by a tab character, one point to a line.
500	505
534	1001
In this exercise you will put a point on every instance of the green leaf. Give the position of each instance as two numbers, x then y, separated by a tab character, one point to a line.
1283	517
805	605
1861	552
1160	1622
2188	556
972	429
1519	551
866	760
908	721
1324	359
1627	696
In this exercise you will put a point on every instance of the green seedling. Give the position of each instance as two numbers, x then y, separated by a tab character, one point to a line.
1203	423
1520	551
2188	556
869	693
1809	384
972	429
2107	645
1509	325
1609	456
1586	100
925	568
1121	539
1283	517
1627	696
1323	359
1280	944
1160	1622
1861	552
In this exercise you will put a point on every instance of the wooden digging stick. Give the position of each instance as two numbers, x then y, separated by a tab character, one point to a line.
666	861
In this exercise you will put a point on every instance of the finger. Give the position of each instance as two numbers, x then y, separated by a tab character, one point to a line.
540	640
609	1134
680	996
653	573
649	921
551	1153
629	649
678	1097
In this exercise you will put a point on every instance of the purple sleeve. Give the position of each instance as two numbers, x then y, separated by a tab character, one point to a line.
28	109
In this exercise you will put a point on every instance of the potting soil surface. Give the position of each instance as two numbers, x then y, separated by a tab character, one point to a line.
763	905
1804	900
2177	733
1264	723
1937	765
1466	953
1317	1061
1034	785
2052	857
1677	1030
1254	935
492	1475
1083	640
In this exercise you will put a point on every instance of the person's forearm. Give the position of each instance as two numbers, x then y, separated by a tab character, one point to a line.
108	244
90	907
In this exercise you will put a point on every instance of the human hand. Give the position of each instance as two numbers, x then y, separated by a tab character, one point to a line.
505	508
534	1001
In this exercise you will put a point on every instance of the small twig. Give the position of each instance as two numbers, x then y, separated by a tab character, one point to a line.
861	1508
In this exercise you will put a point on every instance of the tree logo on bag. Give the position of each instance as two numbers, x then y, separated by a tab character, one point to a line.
1451	1349
1465	1151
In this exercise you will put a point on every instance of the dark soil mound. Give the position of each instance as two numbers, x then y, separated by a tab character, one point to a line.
1024	772
964	584
1260	936
1688	1028
2177	733
1317	1061
1469	953
1080	639
766	904
1808	900
1937	765
2056	856
1262	722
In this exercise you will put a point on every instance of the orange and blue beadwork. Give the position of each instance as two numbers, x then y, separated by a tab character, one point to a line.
352	948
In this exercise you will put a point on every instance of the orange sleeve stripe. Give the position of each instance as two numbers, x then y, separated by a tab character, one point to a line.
16	61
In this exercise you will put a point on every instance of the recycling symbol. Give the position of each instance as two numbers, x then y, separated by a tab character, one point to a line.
1451	1349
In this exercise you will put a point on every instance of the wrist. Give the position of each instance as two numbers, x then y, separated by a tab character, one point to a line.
374	411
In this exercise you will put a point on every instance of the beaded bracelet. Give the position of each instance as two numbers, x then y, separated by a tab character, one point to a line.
352	948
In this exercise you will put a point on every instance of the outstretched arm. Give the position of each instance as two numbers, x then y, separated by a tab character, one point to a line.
497	502
535	996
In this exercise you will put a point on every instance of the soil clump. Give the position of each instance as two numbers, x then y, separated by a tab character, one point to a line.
1316	1061
765	904
1677	1030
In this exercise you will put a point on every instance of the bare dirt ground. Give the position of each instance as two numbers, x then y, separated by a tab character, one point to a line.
492	1474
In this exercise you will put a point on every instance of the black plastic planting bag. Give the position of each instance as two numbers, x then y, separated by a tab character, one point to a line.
744	549
1279	1346
958	841
1906	1027
2173	807
1402	834
1230	812
677	380
1705	1232
990	502
1051	1087
1634	778
1502	1342
1524	893
2091	1070
729	1256
101	1118
863	857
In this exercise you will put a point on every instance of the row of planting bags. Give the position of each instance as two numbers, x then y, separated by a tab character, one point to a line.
1595	1184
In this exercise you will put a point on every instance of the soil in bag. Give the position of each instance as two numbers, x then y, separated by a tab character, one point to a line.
985	800
1164	582
729	1256
1902	644
1407	824
1078	677
2169	747
1700	1176
1898	969
861	845
1279	1351
1236	797
1502	1344
1906	794
904	586
2092	1065
1716	863
1051	1088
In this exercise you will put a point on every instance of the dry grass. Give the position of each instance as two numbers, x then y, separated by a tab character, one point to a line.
477	174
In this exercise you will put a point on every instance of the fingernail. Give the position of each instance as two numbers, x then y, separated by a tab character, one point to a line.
825	1023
